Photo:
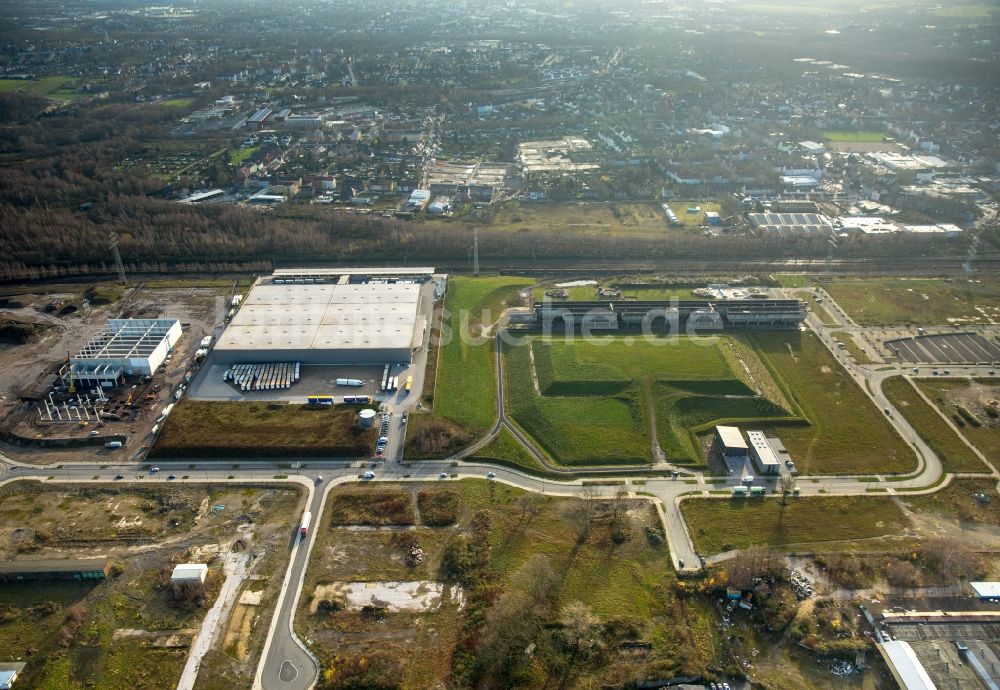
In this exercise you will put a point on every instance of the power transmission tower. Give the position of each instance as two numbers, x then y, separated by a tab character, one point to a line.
119	266
475	252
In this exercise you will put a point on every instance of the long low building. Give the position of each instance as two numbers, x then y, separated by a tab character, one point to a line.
764	457
55	569
667	314
327	317
904	665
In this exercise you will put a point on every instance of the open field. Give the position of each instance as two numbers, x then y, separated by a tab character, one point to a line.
692	221
958	501
846	432
129	631
175	102
257	429
817	523
976	398
594	397
50	87
934	302
466	379
585	219
954	453
557	551
838	135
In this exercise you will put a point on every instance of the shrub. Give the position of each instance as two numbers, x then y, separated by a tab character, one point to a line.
438	508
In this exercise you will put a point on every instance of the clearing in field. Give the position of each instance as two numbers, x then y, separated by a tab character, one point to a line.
585	219
973	405
201	429
131	630
597	401
930	302
852	135
834	523
845	433
518	566
955	454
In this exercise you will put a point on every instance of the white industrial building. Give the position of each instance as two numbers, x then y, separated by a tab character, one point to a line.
126	347
334	316
764	458
905	666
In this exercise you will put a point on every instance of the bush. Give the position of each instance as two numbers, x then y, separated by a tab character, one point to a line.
456	562
654	536
438	508
372	670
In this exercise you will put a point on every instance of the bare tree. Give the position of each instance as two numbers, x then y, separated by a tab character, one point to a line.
950	558
581	629
786	484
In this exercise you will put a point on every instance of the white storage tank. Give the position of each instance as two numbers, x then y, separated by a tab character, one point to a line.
366	418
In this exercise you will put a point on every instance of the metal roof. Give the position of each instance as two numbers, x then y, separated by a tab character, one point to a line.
189	571
53	565
905	666
731	437
986	590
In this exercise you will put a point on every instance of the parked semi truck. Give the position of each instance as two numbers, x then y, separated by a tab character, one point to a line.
357	383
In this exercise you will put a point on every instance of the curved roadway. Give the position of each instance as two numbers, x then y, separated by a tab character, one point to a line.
286	663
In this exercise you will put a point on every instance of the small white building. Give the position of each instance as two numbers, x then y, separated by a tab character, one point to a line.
730	442
188	573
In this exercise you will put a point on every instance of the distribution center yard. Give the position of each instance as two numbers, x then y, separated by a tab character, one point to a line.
199	429
588	401
846	433
128	631
955	455
833	523
935	302
606	554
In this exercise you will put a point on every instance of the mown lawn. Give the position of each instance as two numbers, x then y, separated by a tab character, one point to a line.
596	395
846	433
508	451
50	87
257	429
718	525
465	391
933	302
954	453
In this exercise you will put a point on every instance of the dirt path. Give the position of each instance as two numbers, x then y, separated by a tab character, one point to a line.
236	570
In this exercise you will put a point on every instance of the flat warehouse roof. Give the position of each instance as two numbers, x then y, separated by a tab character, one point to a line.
421	270
986	590
731	437
326	316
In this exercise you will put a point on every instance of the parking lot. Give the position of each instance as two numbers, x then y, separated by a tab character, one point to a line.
947	348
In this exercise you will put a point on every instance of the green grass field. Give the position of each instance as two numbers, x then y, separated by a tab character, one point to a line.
237	156
257	429
954	454
466	379
817	523
56	88
506	450
175	102
898	301
692	221
595	397
974	396
846	432
838	135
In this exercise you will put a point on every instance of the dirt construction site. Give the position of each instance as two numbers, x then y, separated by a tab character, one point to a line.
240	533
42	326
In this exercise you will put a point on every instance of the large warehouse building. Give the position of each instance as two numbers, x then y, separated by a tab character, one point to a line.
126	347
329	316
